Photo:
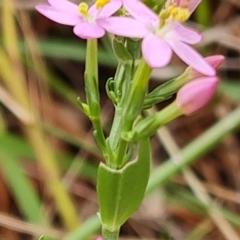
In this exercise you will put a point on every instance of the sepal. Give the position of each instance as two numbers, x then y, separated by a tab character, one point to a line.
121	52
134	48
161	93
110	90
167	89
83	106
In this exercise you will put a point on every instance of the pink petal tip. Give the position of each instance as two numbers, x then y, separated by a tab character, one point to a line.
215	60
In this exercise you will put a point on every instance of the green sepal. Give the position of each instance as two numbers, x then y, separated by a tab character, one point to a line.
135	96
92	94
161	93
41	238
167	89
110	89
83	106
151	101
120	192
134	48
121	52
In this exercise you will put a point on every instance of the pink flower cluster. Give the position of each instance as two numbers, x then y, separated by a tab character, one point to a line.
162	34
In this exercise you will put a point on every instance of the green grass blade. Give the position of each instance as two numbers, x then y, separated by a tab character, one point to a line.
25	195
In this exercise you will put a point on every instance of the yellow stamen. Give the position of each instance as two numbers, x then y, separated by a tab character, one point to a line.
178	13
164	15
101	3
83	9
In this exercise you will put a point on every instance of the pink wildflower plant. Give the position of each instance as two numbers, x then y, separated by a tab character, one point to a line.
86	21
164	34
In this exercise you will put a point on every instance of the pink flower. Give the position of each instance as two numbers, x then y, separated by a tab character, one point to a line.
86	21
196	94
161	36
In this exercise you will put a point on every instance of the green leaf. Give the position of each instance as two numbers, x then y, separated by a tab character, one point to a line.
121	192
21	147
41	238
21	187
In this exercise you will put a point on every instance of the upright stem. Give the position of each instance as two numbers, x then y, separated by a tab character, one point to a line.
134	99
115	134
92	91
107	235
132	105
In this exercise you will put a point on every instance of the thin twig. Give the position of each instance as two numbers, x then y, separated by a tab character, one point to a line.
28	228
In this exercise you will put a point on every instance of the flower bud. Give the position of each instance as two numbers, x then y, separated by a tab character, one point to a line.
215	61
196	94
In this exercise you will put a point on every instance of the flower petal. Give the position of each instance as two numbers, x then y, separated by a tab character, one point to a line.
196	94
123	26
87	30
140	11
58	16
184	34
64	5
193	5
156	51
192	57
215	60
108	10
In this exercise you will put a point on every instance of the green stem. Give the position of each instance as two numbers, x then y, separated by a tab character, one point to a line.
87	228
114	134
135	97
121	153
123	79
132	105
119	79
99	137
107	235
92	91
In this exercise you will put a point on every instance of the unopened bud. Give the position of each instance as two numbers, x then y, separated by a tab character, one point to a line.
196	94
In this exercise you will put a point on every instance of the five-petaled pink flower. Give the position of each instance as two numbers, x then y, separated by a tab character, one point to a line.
86	22
161	36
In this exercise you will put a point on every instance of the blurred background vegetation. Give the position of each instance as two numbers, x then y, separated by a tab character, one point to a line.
48	158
